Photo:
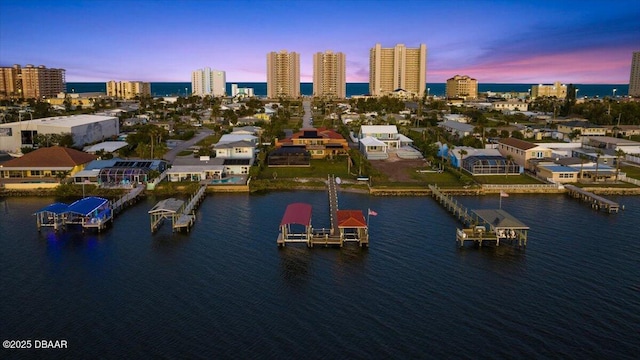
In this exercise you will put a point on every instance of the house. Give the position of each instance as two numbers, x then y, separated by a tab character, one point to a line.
461	118
118	172
242	149
50	163
457	128
199	172
387	134
582	127
510	106
521	152
234	137
612	143
320	142
558	173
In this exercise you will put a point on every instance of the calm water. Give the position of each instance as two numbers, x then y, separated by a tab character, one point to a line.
226	291
437	89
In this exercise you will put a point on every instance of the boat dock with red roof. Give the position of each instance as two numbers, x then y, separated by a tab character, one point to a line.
346	225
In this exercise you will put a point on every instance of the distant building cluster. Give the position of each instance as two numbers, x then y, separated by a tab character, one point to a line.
634	80
462	86
128	89
31	82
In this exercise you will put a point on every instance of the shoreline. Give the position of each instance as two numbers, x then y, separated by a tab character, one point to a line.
410	192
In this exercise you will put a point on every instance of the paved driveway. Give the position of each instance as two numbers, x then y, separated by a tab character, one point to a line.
171	154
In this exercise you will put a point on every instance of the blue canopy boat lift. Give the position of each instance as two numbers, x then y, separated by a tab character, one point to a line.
90	212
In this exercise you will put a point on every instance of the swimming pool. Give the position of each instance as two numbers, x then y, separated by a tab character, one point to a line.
228	180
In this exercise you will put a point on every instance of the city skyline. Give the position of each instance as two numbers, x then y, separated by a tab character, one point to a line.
495	41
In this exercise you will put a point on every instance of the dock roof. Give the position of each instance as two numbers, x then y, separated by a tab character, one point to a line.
56	208
297	213
87	205
170	205
498	218
351	219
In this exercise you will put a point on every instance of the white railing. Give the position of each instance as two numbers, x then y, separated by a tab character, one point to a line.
520	186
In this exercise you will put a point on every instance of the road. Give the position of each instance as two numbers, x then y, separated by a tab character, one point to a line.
170	156
306	117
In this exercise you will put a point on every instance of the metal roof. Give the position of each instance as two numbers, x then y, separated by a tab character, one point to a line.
297	213
170	205
56	208
87	205
498	218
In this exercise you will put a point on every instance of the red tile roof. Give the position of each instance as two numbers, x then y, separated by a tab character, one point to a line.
55	156
517	143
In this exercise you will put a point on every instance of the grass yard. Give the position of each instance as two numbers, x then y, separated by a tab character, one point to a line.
318	169
506	180
631	171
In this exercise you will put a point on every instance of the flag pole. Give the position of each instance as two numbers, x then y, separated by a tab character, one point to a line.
368	214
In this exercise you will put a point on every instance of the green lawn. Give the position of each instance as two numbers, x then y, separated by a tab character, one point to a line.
631	171
511	179
318	169
444	179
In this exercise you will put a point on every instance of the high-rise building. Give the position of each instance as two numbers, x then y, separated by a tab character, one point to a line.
462	87
557	89
329	75
31	82
396	68
128	89
283	74
208	82
634	79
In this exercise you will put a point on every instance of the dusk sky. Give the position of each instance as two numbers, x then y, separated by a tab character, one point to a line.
495	41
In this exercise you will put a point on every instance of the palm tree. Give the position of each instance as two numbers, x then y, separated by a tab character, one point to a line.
598	154
463	152
508	165
619	153
583	158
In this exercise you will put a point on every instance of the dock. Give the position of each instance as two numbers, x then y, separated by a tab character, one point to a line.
346	225
597	202
182	216
89	212
483	225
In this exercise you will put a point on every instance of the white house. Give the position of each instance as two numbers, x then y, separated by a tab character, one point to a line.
387	134
235	150
234	137
510	106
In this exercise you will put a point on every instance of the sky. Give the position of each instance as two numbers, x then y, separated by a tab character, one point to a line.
493	41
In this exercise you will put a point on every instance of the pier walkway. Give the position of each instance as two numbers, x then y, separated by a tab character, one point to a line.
480	226
182	216
597	202
333	203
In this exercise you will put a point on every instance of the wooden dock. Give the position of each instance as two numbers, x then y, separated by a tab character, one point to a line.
182	216
346	225
127	199
481	226
597	202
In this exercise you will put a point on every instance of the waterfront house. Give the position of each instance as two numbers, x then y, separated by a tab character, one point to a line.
320	143
49	164
521	152
558	173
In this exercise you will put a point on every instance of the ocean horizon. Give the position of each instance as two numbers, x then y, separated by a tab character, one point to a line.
353	88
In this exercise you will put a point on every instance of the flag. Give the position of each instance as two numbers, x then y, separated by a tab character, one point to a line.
372	213
503	194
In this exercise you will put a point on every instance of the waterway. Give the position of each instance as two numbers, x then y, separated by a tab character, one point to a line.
225	290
